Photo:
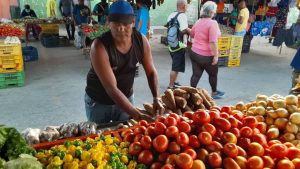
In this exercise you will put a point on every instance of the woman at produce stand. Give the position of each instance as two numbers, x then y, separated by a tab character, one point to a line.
204	54
114	56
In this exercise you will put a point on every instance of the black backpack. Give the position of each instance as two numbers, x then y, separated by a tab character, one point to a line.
173	33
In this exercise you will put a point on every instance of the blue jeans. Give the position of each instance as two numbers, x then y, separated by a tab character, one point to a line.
102	113
242	33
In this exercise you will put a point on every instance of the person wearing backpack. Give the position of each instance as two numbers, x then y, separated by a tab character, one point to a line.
177	26
204	54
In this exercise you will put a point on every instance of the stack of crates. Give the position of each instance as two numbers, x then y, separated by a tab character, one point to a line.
11	66
224	48
236	45
50	28
50	35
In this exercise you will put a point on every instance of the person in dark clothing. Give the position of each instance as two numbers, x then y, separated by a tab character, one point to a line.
29	13
101	10
114	56
65	8
295	64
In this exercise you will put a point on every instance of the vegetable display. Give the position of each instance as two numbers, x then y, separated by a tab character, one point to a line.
11	30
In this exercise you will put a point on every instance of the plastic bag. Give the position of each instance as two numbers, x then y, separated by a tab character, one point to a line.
78	38
87	128
49	134
32	136
69	130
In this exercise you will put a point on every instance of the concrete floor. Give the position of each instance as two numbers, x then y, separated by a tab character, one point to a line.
54	89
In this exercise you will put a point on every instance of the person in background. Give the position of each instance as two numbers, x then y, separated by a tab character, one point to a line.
142	22
232	19
204	54
29	13
295	64
65	9
51	8
243	17
101	10
178	54
81	15
114	55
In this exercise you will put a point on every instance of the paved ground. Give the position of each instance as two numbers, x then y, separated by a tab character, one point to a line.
55	84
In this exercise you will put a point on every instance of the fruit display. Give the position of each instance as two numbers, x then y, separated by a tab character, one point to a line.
183	99
11	30
105	152
31	20
94	31
225	30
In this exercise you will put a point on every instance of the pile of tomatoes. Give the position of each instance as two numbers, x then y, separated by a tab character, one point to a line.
216	138
11	30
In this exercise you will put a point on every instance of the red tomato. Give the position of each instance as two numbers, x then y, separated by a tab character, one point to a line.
288	144
296	162
222	124
226	109
172	132
202	154
125	132
271	142
217	108
150	131
229	138
214	147
167	166
241	161
231	150
201	117
182	139
214	114
170	121
129	137
260	138
160	119
255	162
293	152
229	163
246	132
278	151
236	132
219	133
146	142
233	121
242	152
143	123
285	164
205	138
244	142
176	116
250	121
184	127
255	149
239	116
156	165
224	115
137	138
214	160
162	157
198	164
160	143
262	127
209	128
268	162
184	161
174	148
192	153
145	157
160	128
188	114
256	131
135	148
172	159
194	142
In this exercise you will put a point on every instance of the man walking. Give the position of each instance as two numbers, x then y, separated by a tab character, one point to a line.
65	9
178	53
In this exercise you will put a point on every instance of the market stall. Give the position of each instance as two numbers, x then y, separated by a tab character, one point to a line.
263	133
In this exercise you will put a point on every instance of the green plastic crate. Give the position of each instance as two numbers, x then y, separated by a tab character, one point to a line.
16	79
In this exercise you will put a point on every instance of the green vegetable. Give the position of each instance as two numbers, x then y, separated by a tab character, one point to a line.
78	153
23	163
3	136
141	166
67	144
61	155
2	163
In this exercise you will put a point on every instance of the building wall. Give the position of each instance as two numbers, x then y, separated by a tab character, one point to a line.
5	7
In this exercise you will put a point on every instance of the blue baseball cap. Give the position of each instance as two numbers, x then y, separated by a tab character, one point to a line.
121	11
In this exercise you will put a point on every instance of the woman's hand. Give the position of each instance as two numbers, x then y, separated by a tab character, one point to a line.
215	60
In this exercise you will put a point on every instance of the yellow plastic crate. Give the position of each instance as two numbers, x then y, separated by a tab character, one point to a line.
234	63
9	66
235	53
223	53
236	42
224	42
50	28
10	49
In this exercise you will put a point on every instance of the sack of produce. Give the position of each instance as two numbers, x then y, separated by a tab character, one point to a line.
69	130
32	136
49	134
87	128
